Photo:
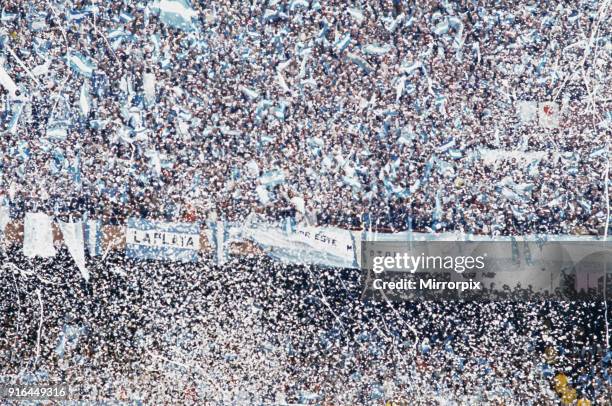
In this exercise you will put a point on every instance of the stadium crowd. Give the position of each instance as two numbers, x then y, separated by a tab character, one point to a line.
382	112
260	332
374	113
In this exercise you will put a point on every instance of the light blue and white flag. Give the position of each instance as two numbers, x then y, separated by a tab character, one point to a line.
57	129
353	182
81	64
294	4
41	70
7	16
289	225
249	93
455	153
126	17
447	145
6	80
135	402
437	213
93	237
74	170
442	27
77	15
409	69
219	241
602	151
149	82
272	178
13	124
271	15
85	100
68	339
409	231
162	241
359	61
262	194
391	23
175	13
356	14
342	42
377	50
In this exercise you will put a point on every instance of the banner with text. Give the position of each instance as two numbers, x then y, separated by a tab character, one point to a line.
165	241
328	246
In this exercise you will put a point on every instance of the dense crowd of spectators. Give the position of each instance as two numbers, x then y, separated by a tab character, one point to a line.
386	114
260	332
383	112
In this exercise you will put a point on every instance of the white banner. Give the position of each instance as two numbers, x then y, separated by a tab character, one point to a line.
38	236
527	111
161	238
335	241
6	81
168	241
5	218
548	113
73	238
307	245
